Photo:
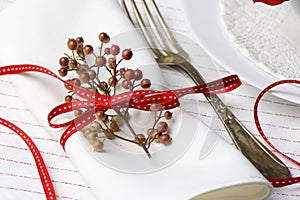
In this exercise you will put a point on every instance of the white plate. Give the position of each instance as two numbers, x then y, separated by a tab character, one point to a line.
204	18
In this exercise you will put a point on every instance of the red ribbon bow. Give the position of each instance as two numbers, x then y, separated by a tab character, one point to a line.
140	99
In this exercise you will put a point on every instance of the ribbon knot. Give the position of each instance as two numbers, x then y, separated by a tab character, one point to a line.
141	100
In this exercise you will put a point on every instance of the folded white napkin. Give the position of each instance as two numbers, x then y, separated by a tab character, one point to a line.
36	32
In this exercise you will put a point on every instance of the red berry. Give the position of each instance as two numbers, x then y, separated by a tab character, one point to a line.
151	131
98	145
114	126
104	85
92	137
72	44
68	98
168	115
76	82
95	126
126	54
162	127
126	84
114	50
103	37
88	49
86	132
63	71
165	139
112	63
100	61
122	72
64	61
145	83
79	40
72	63
100	115
107	51
84	77
92	74
138	75
112	81
129	74
141	137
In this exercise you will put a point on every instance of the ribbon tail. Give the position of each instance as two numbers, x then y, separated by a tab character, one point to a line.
40	164
280	182
76	125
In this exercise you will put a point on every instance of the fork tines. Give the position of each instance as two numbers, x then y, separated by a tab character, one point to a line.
147	17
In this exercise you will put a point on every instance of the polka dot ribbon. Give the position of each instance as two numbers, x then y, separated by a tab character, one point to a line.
40	164
93	102
276	182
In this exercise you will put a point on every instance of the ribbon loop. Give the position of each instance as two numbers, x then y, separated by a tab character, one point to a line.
68	107
276	182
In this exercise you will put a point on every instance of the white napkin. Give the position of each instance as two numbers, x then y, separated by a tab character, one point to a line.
35	31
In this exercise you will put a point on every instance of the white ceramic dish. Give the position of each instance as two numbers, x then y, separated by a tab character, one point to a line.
296	6
204	18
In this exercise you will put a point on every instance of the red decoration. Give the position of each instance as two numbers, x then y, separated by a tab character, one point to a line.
40	164
139	99
270	2
276	182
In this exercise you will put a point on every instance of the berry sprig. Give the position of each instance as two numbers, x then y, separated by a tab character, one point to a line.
87	75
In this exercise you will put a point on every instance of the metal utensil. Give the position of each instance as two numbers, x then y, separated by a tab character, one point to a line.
169	53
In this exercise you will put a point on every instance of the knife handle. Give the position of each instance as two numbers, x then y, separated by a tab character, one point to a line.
258	154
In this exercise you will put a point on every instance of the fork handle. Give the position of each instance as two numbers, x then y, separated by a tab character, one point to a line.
260	156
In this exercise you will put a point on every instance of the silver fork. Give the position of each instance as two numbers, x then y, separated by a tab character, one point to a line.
169	53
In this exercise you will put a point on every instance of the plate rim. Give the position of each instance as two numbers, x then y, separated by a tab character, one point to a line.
215	40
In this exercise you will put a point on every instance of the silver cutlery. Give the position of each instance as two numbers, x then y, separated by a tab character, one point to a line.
169	53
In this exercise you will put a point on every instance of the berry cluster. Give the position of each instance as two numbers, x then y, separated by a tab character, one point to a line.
107	60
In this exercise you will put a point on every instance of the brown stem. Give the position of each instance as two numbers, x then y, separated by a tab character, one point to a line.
120	137
109	70
101	46
134	134
92	86
157	118
119	62
128	140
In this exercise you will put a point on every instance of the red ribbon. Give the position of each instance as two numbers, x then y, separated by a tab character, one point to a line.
40	164
271	2
140	99
276	182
